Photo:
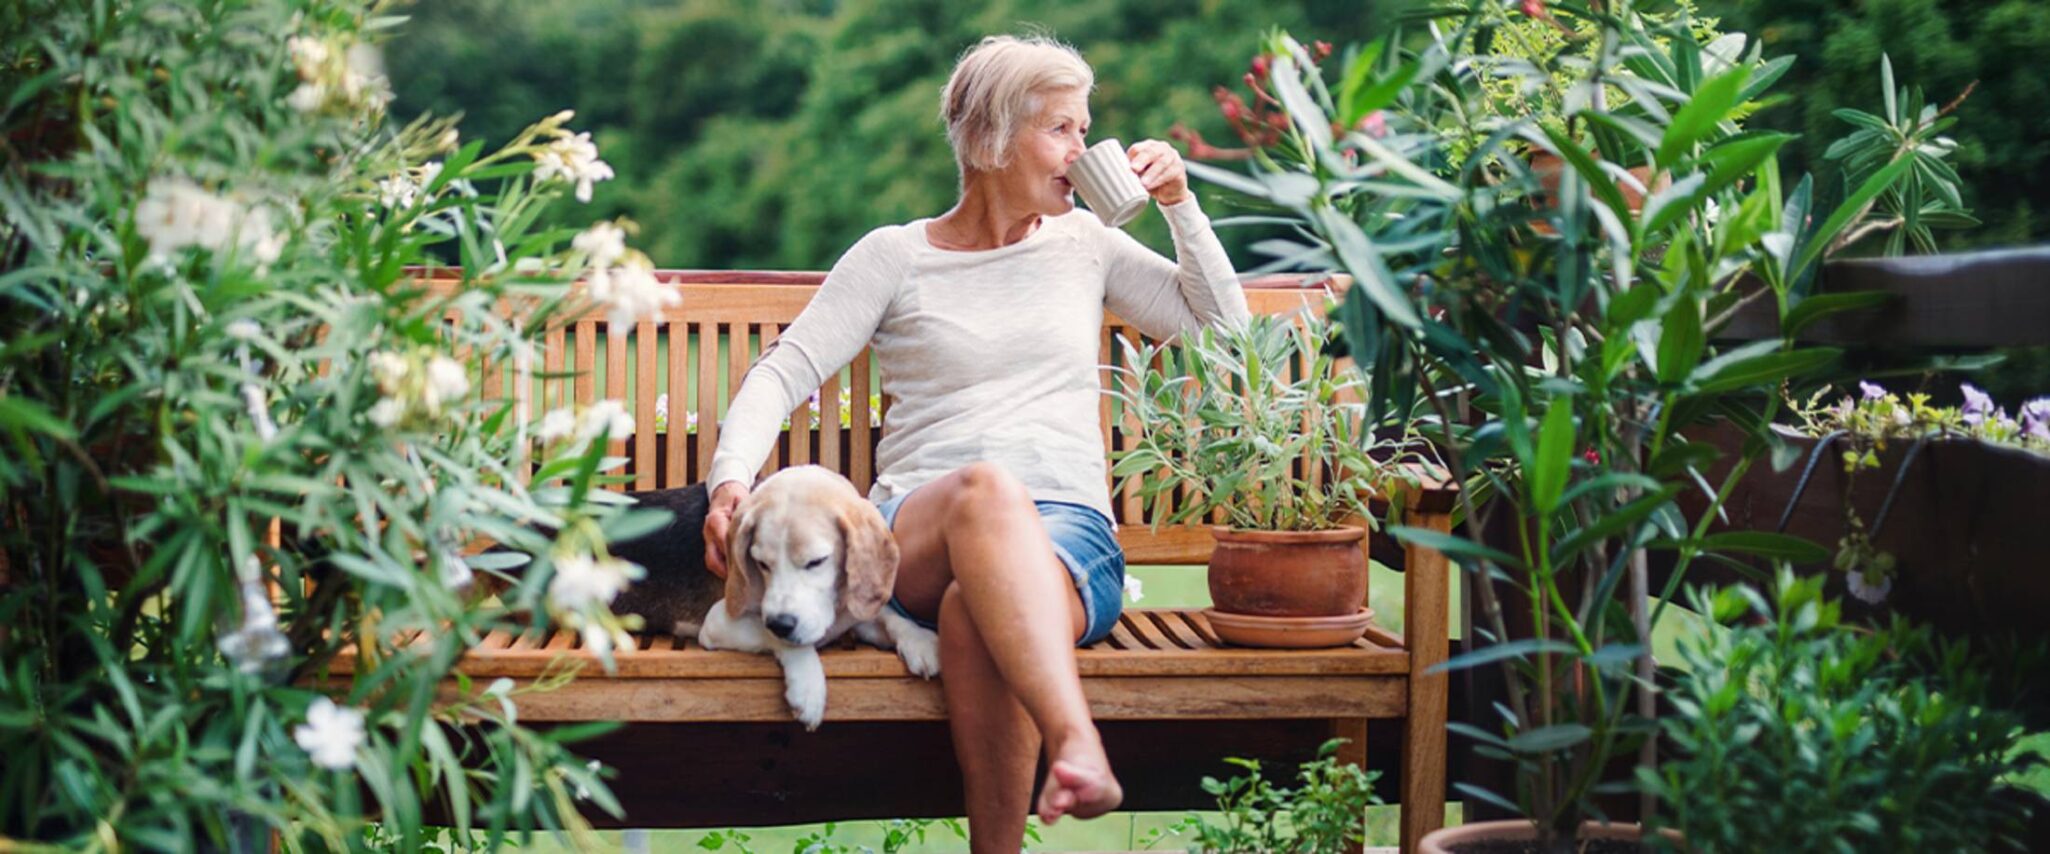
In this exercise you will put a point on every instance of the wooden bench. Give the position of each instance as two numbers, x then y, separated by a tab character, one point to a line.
709	740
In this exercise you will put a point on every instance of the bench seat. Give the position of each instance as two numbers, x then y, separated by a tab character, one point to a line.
1157	664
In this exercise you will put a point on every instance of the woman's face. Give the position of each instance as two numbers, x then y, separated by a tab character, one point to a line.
1042	151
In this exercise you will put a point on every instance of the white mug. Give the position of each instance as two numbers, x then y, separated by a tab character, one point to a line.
1104	177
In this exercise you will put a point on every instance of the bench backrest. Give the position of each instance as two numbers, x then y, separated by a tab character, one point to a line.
677	374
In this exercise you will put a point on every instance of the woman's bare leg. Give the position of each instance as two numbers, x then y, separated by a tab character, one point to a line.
975	538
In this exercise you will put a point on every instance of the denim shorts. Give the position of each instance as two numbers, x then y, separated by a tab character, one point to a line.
1086	545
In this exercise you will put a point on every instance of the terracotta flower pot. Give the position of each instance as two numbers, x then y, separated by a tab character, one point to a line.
1500	837
1289	573
1549	166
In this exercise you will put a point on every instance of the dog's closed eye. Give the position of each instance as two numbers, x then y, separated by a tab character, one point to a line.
817	562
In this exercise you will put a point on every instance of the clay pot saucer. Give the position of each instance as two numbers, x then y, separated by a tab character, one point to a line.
1288	632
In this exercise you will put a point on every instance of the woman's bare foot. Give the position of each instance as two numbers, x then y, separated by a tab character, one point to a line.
1080	785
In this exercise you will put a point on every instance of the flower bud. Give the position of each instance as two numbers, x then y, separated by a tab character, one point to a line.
1320	50
1260	65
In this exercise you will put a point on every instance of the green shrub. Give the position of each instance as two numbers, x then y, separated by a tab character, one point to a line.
1323	813
1797	733
208	328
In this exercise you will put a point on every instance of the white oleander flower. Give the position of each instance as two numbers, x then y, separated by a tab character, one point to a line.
259	413
604	243
176	213
582	793
572	158
581	581
387	412
446	382
307	97
557	424
397	192
309	56
389	369
636	293
330	734
606	419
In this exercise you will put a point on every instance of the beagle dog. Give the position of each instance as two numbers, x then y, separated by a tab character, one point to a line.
808	560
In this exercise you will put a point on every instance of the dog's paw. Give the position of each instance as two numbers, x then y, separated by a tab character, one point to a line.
807	702
920	650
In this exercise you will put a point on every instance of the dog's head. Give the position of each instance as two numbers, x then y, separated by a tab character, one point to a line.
804	546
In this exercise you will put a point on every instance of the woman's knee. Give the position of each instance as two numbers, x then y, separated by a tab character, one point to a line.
984	488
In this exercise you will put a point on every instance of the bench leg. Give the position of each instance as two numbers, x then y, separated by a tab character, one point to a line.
1354	753
1425	603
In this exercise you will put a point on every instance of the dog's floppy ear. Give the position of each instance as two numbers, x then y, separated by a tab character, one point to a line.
871	569
744	585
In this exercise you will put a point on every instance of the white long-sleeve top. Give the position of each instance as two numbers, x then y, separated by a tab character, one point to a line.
989	355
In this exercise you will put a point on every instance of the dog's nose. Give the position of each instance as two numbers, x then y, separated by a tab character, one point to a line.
782	625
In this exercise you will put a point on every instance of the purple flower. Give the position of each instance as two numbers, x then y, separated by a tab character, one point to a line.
1871	390
2036	418
1978	404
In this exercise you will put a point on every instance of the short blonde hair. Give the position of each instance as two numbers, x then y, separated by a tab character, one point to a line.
996	88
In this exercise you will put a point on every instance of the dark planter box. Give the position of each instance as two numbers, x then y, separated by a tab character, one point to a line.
1966	527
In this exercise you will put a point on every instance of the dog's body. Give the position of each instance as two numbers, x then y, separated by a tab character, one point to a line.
808	561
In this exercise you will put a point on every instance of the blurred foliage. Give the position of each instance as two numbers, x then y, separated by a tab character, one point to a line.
1945	46
774	133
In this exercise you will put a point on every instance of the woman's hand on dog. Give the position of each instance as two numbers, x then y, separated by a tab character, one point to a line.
719	521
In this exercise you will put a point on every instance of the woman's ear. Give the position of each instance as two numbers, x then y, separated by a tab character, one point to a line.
871	567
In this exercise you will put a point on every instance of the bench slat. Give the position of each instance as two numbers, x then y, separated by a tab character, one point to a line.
912	699
862	468
645	376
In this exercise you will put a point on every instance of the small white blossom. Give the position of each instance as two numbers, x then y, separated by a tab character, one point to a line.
175	213
389	369
387	412
606	419
557	424
1134	589
604	243
397	192
1872	591
446	381
245	330
573	158
259	413
307	97
581	580
633	293
584	794
330	734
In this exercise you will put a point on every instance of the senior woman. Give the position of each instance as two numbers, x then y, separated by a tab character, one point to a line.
984	322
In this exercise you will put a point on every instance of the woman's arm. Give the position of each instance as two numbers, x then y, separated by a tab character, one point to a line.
829	333
1165	298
